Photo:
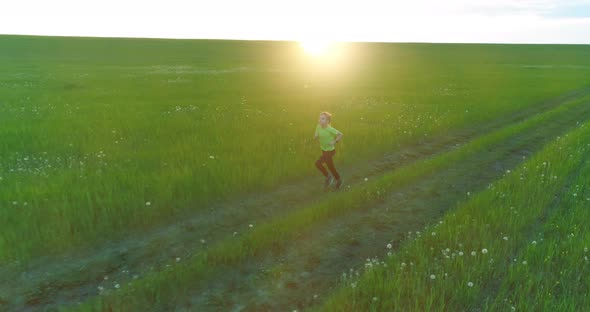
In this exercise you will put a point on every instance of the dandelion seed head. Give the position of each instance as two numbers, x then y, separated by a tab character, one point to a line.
432	276
470	284
117	286
148	203
484	251
505	238
389	246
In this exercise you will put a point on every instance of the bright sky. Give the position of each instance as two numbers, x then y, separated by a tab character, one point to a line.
506	21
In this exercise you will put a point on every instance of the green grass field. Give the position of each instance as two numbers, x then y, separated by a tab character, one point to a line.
106	139
521	245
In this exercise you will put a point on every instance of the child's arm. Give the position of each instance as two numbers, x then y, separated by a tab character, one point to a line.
337	139
316	136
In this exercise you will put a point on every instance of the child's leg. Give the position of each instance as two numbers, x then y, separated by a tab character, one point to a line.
330	164
320	166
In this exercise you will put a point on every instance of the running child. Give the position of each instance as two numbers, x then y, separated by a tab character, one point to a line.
328	137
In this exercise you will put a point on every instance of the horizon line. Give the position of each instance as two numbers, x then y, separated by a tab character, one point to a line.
284	40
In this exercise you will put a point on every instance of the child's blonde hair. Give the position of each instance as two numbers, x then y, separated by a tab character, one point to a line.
328	116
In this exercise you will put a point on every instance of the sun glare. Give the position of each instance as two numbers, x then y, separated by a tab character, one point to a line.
316	47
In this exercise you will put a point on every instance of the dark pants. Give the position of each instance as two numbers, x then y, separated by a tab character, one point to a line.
327	158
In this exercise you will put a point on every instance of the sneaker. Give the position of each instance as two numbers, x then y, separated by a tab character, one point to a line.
329	181
338	183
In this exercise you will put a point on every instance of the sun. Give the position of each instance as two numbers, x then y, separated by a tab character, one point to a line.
316	47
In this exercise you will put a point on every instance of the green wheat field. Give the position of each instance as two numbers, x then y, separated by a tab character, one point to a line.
178	175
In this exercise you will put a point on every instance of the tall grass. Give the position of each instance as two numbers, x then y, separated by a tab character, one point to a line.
100	137
179	279
506	247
